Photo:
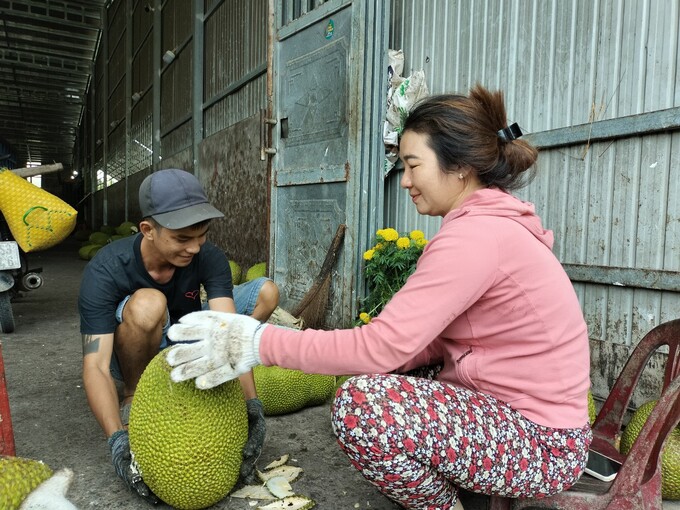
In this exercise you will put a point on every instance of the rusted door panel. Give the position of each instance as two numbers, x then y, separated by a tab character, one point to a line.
235	179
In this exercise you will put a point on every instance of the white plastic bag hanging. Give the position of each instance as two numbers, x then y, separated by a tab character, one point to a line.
403	93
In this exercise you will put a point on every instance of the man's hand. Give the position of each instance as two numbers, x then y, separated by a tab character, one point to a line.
227	346
257	430
119	442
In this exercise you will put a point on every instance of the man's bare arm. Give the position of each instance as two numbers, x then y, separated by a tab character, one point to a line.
99	386
90	344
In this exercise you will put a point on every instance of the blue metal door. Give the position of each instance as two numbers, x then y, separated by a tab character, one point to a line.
326	143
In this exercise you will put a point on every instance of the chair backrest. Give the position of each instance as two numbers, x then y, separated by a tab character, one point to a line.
610	418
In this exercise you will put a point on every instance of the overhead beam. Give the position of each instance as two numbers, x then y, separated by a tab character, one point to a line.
38	170
45	62
53	13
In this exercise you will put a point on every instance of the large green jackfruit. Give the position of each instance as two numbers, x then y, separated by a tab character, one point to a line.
592	410
18	477
256	271
670	455
99	238
285	391
127	228
236	272
188	442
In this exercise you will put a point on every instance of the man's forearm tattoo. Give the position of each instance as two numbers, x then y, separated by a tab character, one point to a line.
90	344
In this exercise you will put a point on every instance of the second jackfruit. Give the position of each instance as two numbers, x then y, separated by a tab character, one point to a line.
285	391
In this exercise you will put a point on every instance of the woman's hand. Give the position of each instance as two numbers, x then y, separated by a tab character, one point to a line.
226	345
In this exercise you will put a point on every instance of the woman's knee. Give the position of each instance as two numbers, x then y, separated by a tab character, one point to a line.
350	406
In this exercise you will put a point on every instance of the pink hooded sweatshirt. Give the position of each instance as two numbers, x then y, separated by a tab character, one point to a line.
489	300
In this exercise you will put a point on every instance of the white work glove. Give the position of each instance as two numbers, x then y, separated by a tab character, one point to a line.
228	346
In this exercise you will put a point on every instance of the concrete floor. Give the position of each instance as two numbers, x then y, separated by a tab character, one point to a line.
52	421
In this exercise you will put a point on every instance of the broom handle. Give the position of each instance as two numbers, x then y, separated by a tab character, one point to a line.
328	263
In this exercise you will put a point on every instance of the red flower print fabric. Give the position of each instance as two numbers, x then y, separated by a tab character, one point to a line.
419	440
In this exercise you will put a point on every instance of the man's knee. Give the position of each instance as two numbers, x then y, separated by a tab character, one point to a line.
146	308
267	300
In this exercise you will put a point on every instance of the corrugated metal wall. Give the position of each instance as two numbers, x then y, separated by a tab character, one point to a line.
142	110
607	68
235	63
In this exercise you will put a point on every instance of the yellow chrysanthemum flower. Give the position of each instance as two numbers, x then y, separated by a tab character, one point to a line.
421	242
379	233
364	317
403	243
368	254
417	234
378	246
389	234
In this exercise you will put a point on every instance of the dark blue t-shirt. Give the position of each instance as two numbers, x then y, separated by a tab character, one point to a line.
117	271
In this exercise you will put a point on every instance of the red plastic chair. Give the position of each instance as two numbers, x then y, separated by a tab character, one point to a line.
637	485
6	432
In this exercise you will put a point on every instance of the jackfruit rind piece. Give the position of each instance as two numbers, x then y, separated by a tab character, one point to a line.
290	503
277	462
188	442
51	494
256	271
290	473
279	487
253	492
18	477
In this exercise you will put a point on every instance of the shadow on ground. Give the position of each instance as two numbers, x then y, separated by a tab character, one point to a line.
52	421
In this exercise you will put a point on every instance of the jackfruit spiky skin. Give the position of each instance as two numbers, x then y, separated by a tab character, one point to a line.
99	238
321	388
256	271
670	456
126	228
188	442
592	411
18	477
236	272
284	391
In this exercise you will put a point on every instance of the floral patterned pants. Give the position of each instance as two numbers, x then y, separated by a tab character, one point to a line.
418	440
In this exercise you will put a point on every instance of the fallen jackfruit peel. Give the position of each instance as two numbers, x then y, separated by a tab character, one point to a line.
290	473
276	479
278	462
253	492
279	487
290	503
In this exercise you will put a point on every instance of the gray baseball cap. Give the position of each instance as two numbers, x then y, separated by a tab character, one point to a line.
175	199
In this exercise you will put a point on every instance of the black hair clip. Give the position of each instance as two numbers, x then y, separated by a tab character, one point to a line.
510	133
